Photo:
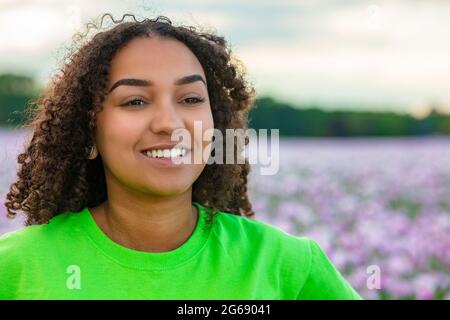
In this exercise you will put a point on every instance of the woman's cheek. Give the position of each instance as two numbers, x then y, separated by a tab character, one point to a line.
116	132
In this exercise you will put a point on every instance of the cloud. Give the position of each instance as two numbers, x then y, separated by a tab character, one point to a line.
392	53
338	52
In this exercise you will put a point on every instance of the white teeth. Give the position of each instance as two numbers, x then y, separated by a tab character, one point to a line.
166	153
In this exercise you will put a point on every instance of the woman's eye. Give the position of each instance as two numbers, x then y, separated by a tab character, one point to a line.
194	100
140	102
132	102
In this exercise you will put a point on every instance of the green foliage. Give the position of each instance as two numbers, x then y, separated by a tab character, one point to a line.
15	94
315	122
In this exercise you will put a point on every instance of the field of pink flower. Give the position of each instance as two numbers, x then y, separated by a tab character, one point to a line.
368	202
383	203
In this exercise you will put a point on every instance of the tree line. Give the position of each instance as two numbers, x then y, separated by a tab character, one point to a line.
316	122
16	92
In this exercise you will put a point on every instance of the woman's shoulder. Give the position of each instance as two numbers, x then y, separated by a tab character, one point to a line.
28	239
257	228
260	235
18	239
17	248
301	256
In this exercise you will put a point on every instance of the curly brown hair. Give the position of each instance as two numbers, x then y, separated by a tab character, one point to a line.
54	175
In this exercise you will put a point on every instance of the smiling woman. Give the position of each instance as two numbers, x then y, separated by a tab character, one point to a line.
99	221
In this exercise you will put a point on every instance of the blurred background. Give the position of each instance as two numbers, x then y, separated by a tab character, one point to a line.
359	91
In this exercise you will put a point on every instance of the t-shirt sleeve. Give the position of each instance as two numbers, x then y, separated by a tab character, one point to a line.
10	266
324	281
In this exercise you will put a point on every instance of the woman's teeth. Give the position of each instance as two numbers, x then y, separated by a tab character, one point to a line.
166	153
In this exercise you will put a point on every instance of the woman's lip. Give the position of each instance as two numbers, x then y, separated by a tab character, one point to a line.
165	146
164	162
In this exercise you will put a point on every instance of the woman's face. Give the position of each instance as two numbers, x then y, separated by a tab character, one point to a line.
137	117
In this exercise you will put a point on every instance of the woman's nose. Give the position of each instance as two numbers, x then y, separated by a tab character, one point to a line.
165	118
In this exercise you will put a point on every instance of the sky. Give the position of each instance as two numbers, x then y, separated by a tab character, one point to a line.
342	54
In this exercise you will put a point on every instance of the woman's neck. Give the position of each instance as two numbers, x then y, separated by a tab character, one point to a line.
157	226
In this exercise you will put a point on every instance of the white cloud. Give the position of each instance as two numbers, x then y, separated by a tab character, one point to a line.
345	55
340	51
212	20
30	29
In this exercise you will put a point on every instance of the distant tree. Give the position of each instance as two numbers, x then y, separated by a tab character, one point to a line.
16	91
315	122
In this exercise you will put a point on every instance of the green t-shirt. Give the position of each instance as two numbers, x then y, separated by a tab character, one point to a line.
235	258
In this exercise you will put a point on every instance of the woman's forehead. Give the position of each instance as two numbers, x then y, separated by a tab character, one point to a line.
155	57
159	62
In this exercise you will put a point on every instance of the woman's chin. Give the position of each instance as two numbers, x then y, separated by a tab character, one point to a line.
167	189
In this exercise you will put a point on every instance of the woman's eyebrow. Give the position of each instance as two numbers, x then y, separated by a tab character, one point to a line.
146	83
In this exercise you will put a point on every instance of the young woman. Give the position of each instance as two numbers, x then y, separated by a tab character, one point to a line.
121	221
